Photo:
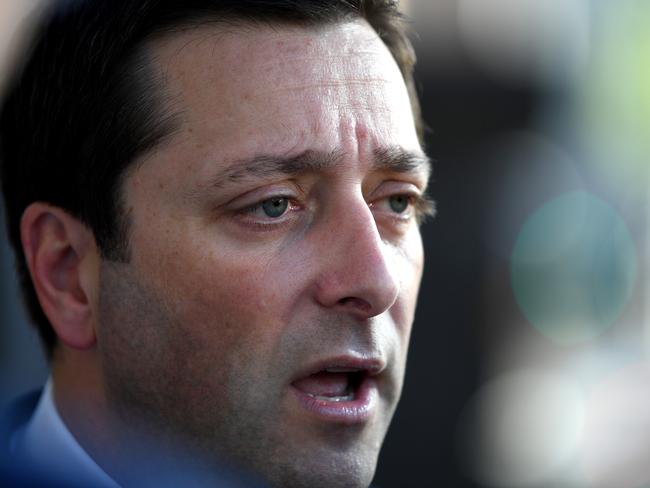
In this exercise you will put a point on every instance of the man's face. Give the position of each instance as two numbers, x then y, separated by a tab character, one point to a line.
266	309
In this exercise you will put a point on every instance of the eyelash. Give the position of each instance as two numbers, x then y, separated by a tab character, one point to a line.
425	208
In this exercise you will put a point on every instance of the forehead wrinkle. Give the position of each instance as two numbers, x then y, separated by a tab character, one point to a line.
320	60
333	83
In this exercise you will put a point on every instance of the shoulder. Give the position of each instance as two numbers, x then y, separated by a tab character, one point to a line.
14	417
14	470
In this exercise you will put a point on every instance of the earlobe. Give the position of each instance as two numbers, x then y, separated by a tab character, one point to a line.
63	261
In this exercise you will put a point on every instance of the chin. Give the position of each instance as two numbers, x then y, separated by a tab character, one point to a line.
334	476
323	469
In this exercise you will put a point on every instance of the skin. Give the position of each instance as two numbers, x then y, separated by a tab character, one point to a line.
200	334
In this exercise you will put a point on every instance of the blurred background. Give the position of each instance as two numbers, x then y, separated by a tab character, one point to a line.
529	364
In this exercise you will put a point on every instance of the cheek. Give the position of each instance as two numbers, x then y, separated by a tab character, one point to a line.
410	264
230	303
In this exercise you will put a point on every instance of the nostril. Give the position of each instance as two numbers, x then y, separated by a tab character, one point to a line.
354	302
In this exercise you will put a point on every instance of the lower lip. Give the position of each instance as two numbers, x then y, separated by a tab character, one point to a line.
350	412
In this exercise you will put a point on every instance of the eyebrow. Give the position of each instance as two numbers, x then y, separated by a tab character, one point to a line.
389	158
399	160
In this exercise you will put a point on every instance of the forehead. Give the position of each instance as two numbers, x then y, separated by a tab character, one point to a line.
241	81
245	91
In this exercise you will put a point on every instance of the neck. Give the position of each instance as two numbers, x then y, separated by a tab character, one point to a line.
80	399
129	450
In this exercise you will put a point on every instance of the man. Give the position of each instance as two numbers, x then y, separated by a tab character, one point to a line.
214	207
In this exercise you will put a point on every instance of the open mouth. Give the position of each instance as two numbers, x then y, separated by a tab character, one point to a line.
332	385
343	390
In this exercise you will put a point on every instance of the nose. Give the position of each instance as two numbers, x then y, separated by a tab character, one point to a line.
357	273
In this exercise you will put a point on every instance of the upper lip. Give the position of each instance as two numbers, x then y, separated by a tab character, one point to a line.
372	365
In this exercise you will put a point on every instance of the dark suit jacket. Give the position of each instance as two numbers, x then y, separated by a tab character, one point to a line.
14	471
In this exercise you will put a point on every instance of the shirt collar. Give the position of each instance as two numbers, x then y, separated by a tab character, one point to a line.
48	445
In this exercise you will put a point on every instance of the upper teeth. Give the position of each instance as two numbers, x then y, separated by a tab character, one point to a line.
341	398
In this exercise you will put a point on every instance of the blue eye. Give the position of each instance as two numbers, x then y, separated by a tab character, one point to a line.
275	207
399	203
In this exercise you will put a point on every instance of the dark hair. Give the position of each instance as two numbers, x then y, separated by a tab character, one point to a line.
85	104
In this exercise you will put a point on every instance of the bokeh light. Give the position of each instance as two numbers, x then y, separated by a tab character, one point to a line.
614	101
521	429
527	40
13	30
616	445
573	267
532	169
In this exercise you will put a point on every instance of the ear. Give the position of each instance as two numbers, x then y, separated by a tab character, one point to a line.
64	265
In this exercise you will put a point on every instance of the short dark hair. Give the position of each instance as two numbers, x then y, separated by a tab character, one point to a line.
85	104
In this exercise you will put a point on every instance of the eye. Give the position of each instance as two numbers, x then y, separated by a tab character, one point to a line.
405	206
275	207
399	203
270	211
